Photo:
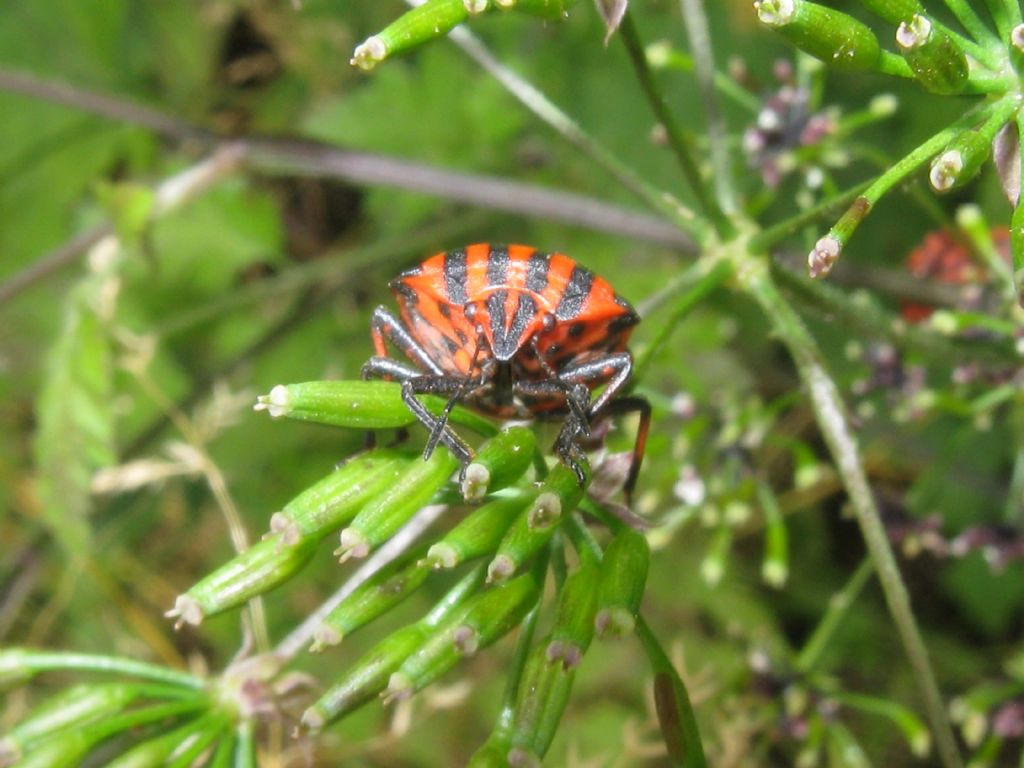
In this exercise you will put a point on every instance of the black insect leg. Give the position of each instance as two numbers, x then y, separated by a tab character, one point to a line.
386	327
436	385
577	424
640	406
614	368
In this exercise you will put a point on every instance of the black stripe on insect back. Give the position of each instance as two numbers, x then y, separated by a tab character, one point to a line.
455	276
526	310
497	265
575	295
537	272
504	345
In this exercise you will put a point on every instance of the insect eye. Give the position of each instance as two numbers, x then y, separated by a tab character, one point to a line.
548	322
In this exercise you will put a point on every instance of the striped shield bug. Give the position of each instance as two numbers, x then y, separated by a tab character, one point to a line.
514	333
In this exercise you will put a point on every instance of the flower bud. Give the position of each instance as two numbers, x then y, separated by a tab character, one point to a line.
366	679
375	597
436	18
574	620
358	405
263	566
180	746
430	20
383	516
484	619
960	161
535	526
478	533
501	461
623	577
70	709
837	39
337	498
540	701
935	58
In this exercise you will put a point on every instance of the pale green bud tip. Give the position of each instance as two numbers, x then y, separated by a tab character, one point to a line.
1017	37
325	636
569	654
312	720
913	34
505	4
501	568
658	54
969	215
475	6
883	105
712	570
774	572
974	727
615	622
466	640
475	482
807	475
546	509
442	556
276	404
399	688
944	322
824	256
946	168
775	13
369	54
921	743
186	610
353	544
737	512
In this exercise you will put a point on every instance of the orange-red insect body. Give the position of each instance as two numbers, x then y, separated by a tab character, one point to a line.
515	333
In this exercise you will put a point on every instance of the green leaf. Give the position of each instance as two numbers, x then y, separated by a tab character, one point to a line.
76	422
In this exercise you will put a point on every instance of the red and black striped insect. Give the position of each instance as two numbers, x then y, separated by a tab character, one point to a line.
515	333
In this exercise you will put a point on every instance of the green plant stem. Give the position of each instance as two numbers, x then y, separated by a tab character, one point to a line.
688	734
33	662
681	145
771	236
1002	14
871	320
838	607
693	748
527	631
245	746
843	230
532	98
829	413
895	65
302	635
973	23
693	285
697	32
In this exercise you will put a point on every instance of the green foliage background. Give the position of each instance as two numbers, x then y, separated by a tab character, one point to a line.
265	279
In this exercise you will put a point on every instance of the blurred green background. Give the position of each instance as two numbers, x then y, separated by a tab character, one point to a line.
268	278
